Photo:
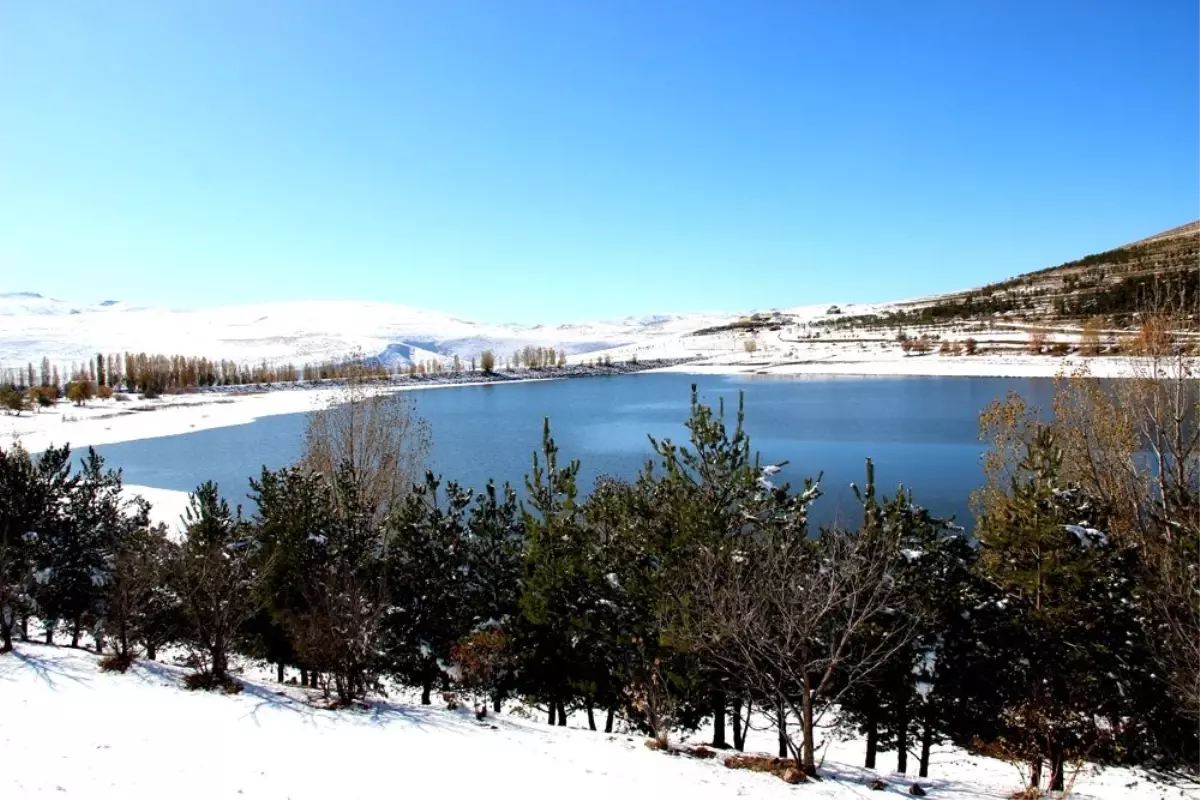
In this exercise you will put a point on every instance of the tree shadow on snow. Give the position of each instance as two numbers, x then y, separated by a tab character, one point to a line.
50	670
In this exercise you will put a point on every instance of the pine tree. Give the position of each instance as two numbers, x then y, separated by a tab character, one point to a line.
216	581
552	524
1062	642
32	499
77	559
427	564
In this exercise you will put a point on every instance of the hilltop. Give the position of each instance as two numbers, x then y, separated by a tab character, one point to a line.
1113	284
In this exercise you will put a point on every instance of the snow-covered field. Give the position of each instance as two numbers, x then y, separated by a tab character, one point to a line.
69	730
33	327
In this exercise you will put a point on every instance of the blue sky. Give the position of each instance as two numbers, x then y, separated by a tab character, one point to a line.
555	161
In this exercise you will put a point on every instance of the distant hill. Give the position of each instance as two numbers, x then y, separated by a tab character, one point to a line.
1113	284
33	326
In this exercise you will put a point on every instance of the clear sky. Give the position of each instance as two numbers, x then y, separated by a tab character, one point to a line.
574	159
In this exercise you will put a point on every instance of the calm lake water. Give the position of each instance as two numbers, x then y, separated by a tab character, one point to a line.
922	432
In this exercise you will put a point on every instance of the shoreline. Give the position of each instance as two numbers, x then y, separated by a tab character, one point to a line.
927	366
111	421
103	422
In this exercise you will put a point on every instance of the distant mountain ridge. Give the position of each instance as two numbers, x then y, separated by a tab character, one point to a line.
33	326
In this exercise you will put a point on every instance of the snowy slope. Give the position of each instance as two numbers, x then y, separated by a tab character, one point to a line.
32	327
68	730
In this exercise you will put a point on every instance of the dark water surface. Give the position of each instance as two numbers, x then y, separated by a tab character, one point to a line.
922	432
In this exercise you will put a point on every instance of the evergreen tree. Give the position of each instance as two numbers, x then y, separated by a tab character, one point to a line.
216	582
1067	617
549	663
77	559
323	572
427	565
32	495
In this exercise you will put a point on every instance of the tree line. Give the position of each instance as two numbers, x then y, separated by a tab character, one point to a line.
1062	631
151	375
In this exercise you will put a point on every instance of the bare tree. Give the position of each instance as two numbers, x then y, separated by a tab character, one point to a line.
1090	339
1037	340
789	616
377	433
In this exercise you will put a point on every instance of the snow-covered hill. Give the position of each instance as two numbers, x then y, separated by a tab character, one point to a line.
33	327
68	729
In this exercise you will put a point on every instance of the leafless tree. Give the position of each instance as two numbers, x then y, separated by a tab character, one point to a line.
788	616
377	432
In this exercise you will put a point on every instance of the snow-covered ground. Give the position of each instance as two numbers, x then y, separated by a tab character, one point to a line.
69	730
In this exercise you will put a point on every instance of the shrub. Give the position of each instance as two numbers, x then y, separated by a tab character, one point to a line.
488	361
116	662
1060	349
971	346
770	764
105	392
12	401
121	397
43	396
80	391
209	682
751	345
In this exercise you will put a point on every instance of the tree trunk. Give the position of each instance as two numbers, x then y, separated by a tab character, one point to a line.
24	628
151	651
591	717
426	689
279	672
718	710
1056	770
550	717
1035	774
806	724
926	746
496	703
6	644
220	664
75	632
902	736
608	723
781	723
739	733
562	714
304	676
872	740
49	633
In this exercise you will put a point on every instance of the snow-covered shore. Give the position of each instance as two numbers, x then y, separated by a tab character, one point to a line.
109	421
844	361
71	730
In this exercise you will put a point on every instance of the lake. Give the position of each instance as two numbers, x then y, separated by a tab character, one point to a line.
922	432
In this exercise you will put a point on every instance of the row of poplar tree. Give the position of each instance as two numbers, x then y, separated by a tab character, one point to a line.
695	591
156	374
